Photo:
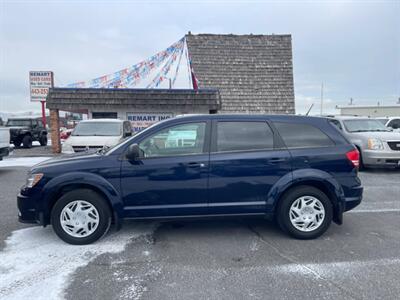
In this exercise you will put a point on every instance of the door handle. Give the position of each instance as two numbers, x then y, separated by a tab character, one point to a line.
276	160
196	165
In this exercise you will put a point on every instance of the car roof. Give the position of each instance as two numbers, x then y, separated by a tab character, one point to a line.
273	117
102	121
344	117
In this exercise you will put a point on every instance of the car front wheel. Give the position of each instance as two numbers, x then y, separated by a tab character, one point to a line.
27	141
43	140
305	212
81	217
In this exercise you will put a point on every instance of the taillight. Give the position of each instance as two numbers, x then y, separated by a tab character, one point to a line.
354	157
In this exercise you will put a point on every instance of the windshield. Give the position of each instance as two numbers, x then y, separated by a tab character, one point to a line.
364	125
383	121
98	129
25	123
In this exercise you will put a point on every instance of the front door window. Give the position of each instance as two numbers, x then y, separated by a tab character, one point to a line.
178	140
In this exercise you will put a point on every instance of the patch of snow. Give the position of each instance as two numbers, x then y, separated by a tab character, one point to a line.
36	264
21	161
318	269
135	290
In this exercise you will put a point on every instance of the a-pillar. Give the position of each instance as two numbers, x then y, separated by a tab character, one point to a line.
55	131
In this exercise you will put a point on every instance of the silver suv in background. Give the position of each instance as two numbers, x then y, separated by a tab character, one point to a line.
391	123
378	145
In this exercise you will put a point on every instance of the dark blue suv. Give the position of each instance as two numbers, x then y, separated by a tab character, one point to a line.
299	170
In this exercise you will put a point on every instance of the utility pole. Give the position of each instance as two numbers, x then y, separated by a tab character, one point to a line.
322	97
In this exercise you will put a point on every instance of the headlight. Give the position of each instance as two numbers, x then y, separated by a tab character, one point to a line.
375	144
33	179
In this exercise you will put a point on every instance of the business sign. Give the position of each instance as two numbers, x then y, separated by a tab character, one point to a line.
140	121
40	82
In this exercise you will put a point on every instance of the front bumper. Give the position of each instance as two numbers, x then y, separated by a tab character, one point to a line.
27	211
5	151
381	158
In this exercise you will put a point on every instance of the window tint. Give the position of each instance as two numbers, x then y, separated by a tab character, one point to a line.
234	136
395	124
302	135
336	123
178	140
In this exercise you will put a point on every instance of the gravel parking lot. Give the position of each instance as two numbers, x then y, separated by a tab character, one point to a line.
224	259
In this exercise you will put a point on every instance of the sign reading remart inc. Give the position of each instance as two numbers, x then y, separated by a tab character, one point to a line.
140	121
40	82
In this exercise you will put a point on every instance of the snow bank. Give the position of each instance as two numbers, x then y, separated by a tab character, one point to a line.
36	264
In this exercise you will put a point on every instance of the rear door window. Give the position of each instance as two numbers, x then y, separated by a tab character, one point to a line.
296	135
242	136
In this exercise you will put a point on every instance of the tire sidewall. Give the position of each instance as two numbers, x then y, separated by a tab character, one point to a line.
93	198
43	140
27	141
286	203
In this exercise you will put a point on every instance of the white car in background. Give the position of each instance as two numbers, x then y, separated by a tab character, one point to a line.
95	134
4	142
391	122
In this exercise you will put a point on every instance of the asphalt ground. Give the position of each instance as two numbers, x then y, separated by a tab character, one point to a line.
208	259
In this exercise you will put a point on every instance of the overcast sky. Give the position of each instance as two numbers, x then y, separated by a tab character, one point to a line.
353	47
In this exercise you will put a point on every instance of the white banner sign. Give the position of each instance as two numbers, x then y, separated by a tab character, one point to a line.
40	82
140	121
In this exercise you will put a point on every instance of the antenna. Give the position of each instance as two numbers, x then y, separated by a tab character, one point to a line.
309	109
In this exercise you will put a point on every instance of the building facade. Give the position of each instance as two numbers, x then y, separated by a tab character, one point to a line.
371	110
253	73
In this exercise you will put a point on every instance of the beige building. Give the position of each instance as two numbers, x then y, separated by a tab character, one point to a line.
370	110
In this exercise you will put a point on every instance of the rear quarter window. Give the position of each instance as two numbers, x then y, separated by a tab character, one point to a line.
243	136
296	135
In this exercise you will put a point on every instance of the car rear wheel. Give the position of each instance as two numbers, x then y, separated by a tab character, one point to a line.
305	212
81	217
43	140
27	141
17	143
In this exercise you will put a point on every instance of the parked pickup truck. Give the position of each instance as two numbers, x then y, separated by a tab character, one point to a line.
4	142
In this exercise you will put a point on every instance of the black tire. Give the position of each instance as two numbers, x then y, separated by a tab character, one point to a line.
17	143
283	212
93	198
361	166
27	141
43	140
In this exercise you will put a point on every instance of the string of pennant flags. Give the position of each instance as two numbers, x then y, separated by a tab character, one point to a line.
131	77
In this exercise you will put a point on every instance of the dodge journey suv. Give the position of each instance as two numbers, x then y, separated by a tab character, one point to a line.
299	170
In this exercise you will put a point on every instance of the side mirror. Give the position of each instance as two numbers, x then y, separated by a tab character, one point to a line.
127	133
133	152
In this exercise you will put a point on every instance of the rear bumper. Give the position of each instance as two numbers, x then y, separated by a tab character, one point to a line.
381	158
354	199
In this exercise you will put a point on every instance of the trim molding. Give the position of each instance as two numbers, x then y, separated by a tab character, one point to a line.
194	205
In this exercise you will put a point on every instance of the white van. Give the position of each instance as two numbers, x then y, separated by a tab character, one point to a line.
92	135
4	142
